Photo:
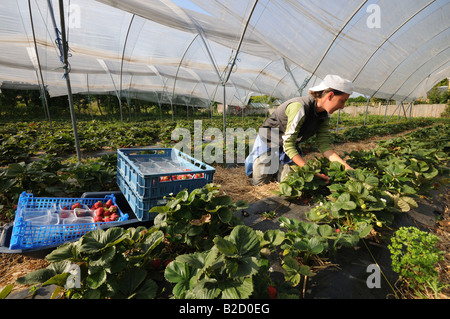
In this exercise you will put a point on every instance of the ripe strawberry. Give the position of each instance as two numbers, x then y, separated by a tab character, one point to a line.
106	212
99	211
98	204
272	291
65	208
98	219
109	203
76	205
114	217
106	219
156	263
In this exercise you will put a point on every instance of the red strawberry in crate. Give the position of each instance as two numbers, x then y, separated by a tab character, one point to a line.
98	204
99	211
109	203
76	205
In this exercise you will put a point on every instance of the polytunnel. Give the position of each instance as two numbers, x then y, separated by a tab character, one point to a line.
203	51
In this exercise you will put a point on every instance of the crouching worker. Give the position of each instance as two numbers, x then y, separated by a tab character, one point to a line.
296	120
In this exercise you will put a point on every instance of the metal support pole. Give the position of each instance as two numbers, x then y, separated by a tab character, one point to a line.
66	75
393	113
232	64
39	70
385	111
367	109
410	109
224	116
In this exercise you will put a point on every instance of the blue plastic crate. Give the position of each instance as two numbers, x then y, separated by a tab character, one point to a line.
139	204
157	172
38	224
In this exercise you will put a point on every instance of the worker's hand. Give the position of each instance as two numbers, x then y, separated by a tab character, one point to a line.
324	177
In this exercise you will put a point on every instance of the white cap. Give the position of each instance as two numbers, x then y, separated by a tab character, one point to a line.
334	82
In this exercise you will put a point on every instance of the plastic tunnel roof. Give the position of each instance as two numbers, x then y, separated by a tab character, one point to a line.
188	51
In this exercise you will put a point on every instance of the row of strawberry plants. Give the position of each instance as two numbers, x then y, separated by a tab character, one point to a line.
385	181
20	141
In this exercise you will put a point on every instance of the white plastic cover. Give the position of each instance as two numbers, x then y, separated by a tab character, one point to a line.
182	50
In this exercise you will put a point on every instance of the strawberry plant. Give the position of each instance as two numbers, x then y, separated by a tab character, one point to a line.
302	182
113	263
195	218
225	271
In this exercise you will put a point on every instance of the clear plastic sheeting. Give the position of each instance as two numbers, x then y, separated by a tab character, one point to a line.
198	51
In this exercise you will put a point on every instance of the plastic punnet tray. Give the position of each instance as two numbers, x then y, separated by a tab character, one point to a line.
40	222
158	172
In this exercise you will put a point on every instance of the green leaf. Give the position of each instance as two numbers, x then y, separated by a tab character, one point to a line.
206	288
58	280
195	260
159	209
301	245
274	236
96	278
315	247
237	289
60	266
242	267
61	253
99	239
285	189
147	290
294	271
349	240
308	228
92	294
246	240
325	231
177	271
226	247
104	259
36	277
6	291
15	169
364	229
130	281
225	214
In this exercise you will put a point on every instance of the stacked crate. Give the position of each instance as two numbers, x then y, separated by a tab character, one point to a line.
146	176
